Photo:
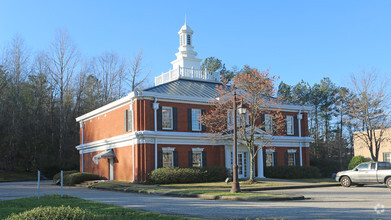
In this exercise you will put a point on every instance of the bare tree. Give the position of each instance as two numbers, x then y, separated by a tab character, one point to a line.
63	61
137	71
109	69
369	111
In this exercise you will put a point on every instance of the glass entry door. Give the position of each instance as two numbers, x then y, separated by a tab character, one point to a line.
242	165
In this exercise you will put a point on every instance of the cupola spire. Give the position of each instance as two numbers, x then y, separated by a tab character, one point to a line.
186	56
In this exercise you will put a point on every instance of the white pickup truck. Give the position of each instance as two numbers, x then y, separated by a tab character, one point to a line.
366	173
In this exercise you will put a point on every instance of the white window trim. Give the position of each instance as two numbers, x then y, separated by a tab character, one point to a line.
292	150
268	123
169	150
270	150
197	149
199	122
290	130
171	121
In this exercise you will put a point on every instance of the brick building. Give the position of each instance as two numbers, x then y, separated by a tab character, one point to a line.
159	127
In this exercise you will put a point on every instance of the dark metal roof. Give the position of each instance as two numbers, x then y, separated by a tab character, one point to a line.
192	88
189	88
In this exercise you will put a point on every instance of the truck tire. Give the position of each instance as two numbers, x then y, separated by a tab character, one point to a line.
388	182
345	181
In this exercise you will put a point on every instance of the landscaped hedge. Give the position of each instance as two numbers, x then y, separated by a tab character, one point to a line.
55	213
170	175
329	166
76	178
57	176
292	172
356	160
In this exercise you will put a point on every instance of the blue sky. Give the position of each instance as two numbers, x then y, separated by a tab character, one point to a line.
297	40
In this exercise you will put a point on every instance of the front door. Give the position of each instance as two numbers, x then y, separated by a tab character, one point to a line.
242	165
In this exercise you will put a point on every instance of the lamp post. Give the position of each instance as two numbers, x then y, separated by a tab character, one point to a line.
242	111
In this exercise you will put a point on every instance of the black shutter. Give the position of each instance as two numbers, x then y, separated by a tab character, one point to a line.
175	118
175	158
263	122
203	127
275	159
126	120
296	126
189	121
159	159
286	125
190	153
159	117
204	159
264	158
286	158
297	158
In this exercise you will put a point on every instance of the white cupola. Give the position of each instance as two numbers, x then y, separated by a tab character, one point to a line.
186	56
187	65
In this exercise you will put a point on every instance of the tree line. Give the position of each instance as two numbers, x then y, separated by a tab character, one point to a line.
42	93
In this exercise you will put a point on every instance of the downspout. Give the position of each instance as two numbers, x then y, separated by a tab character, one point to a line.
299	117
82	142
155	108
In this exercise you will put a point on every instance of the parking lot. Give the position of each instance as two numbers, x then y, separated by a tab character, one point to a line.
368	202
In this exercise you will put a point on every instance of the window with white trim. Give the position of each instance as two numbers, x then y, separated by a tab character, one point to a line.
291	157
167	118
168	157
196	119
269	157
387	157
290	130
268	123
128	120
197	158
239	119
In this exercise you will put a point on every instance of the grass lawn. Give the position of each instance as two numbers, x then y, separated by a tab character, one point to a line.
102	211
124	187
10	176
225	193
217	189
219	185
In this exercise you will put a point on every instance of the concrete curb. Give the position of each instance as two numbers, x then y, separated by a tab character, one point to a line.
291	187
203	196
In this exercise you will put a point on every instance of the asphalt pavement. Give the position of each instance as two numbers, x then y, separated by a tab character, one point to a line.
368	202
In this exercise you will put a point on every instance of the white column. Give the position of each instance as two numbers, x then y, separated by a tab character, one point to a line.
111	161
260	164
82	162
299	117
155	108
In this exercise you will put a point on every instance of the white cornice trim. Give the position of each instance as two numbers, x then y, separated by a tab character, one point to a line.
178	138
146	95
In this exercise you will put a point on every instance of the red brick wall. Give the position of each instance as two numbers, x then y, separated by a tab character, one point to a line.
108	125
123	164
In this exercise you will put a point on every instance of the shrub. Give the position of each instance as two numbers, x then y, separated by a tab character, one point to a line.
214	174
57	176
292	172
328	166
48	212
356	160
170	175
76	178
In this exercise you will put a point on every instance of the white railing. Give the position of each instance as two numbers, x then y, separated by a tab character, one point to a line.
187	73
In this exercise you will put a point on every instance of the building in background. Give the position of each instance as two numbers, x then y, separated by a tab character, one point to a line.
361	149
